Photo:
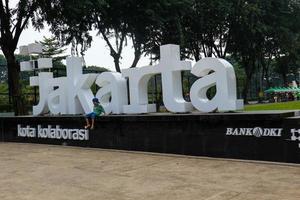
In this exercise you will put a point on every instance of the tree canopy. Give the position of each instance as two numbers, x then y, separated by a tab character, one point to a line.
13	20
258	35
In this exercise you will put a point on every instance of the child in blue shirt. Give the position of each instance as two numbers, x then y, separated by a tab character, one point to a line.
97	111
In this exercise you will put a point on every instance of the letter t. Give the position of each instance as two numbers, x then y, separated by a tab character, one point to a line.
170	67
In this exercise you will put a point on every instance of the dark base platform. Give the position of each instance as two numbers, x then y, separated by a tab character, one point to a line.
267	136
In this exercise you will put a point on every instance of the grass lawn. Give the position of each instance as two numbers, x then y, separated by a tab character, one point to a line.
291	105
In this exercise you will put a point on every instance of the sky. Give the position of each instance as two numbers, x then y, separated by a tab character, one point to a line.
98	54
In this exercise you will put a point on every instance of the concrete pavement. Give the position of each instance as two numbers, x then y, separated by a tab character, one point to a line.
30	171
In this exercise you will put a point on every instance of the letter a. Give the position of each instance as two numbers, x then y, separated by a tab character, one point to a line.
223	77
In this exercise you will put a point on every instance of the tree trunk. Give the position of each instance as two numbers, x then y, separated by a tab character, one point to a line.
249	72
268	71
284	78
197	57
117	63
262	77
268	85
137	45
196	52
137	56
13	70
246	88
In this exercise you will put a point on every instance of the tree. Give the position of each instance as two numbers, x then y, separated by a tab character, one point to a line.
13	20
108	20
95	69
52	48
116	21
166	26
143	18
252	32
262	31
208	28
72	20
247	37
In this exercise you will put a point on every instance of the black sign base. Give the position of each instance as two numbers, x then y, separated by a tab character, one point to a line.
267	136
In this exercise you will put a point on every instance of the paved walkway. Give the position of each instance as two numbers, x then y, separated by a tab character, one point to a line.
41	172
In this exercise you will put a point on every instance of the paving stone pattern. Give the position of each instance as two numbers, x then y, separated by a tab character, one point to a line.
42	172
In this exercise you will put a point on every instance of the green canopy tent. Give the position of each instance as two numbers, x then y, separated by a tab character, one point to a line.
270	90
283	89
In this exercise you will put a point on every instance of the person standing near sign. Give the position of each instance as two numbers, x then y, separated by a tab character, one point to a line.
97	111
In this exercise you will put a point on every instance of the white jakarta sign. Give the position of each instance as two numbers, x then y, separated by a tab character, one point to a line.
72	94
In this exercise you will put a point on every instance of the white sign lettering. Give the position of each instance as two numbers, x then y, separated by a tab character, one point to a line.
26	131
72	94
53	133
295	135
257	132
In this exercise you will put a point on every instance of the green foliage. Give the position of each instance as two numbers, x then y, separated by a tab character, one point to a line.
3	93
2	60
14	18
52	48
245	29
260	37
3	87
3	67
261	32
95	69
292	105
